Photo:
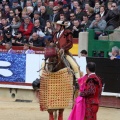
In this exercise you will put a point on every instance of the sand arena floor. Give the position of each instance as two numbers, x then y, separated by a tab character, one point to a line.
30	111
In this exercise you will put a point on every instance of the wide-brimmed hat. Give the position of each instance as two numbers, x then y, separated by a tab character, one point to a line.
59	22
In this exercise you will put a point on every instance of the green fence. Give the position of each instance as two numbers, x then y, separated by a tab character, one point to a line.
100	48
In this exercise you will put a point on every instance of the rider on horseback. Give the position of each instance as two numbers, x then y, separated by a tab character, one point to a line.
64	41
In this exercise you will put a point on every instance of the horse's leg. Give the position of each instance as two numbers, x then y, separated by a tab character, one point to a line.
51	117
55	115
60	116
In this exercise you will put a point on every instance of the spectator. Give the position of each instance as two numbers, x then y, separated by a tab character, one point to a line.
27	50
28	4
55	17
30	10
18	11
97	7
85	23
68	25
66	11
72	17
22	3
39	4
48	30
79	13
15	4
36	41
98	25
102	11
4	26
83	53
26	27
15	25
9	49
19	39
38	28
112	18
34	3
38	17
49	8
115	53
62	17
76	28
44	14
91	14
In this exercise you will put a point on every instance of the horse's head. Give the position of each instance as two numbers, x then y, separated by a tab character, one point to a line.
52	57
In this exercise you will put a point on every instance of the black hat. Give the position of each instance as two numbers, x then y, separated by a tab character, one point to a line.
15	1
65	6
8	32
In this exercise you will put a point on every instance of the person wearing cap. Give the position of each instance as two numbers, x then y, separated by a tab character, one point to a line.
19	39
66	11
83	53
15	4
7	37
26	27
27	50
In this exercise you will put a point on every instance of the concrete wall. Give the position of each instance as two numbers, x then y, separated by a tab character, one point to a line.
83	42
11	94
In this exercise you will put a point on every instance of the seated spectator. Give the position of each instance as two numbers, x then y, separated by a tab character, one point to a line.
85	23
56	16
62	17
102	11
28	4
39	4
48	30
76	28
112	18
26	27
27	50
115	53
12	14
15	25
79	13
97	7
49	7
36	41
98	25
38	17
18	11
72	17
91	14
66	11
68	25
7	37
83	53
30	11
4	26
15	4
38	28
8	47
43	13
19	39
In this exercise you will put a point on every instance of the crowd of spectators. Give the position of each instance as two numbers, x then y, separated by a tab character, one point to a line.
31	21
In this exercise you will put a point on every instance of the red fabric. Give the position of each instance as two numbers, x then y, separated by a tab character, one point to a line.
29	29
56	2
50	52
91	111
91	93
65	41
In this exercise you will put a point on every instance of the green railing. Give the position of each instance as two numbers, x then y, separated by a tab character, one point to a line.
100	48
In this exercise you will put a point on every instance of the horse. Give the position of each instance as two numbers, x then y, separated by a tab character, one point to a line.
55	61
